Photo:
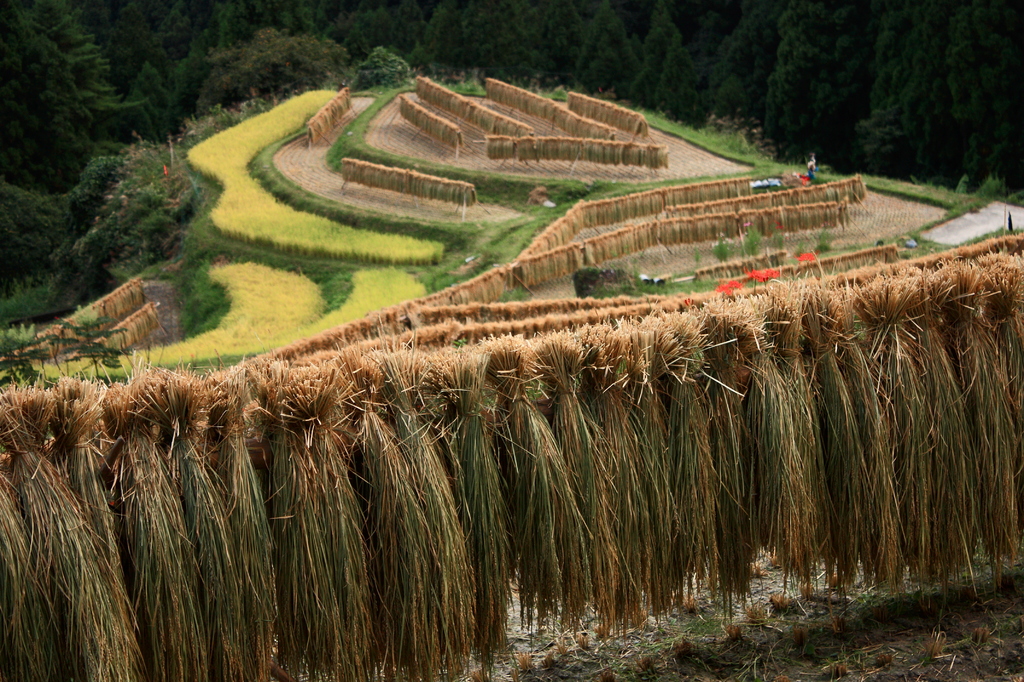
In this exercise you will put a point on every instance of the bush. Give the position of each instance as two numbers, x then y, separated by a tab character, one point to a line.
994	187
272	64
752	242
722	250
32	226
382	69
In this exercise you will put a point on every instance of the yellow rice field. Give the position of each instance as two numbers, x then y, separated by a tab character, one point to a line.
371	290
245	211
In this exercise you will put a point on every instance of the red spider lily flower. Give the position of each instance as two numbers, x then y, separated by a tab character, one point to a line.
728	287
687	301
763	275
808	257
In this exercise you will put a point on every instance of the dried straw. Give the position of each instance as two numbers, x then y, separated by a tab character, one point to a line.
632	122
408	182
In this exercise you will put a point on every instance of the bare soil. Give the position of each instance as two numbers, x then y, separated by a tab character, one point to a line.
306	166
879	216
390	132
969	632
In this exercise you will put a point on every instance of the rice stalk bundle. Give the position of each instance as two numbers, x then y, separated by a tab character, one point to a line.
465	108
784	437
173	407
315	524
561	360
246	525
547	266
329	116
1005	314
25	636
634	516
485	287
548	531
733	268
961	292
861	516
74	449
160	564
734	335
796	218
632	122
547	109
436	127
408	182
631	239
914	374
121	300
459	382
419	562
731	205
608	152
650	351
693	479
136	327
586	214
79	609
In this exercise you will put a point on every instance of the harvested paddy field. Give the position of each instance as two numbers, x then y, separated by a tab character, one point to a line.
878	217
390	132
306	166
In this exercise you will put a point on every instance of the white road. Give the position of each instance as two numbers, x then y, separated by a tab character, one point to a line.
970	226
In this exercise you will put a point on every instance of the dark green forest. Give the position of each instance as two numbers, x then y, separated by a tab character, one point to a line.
923	90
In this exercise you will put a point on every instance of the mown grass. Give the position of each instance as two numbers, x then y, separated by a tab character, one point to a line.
245	211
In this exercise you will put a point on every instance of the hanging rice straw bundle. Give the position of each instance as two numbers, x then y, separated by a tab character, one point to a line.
421	567
330	114
936	508
632	122
75	451
633	516
548	531
784	438
85	629
408	182
860	517
561	361
160	563
547	109
246	525
649	351
458	381
173	406
734	336
607	152
547	266
121	300
436	127
315	523
693	479
26	636
463	107
733	268
961	292
135	328
1005	311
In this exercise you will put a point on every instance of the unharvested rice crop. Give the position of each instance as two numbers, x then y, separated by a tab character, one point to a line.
574	149
389	500
547	109
247	212
632	122
408	182
266	305
325	120
371	290
436	127
455	104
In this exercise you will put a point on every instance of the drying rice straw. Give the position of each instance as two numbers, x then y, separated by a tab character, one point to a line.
458	381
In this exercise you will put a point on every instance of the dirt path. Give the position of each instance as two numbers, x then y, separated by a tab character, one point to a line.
307	167
976	224
390	132
168	312
879	216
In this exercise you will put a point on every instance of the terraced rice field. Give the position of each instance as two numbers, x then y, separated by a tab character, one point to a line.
307	167
390	132
879	216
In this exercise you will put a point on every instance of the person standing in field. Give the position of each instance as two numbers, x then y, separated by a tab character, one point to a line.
812	167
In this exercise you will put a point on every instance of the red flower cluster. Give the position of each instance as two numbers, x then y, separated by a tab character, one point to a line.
728	287
763	275
808	257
